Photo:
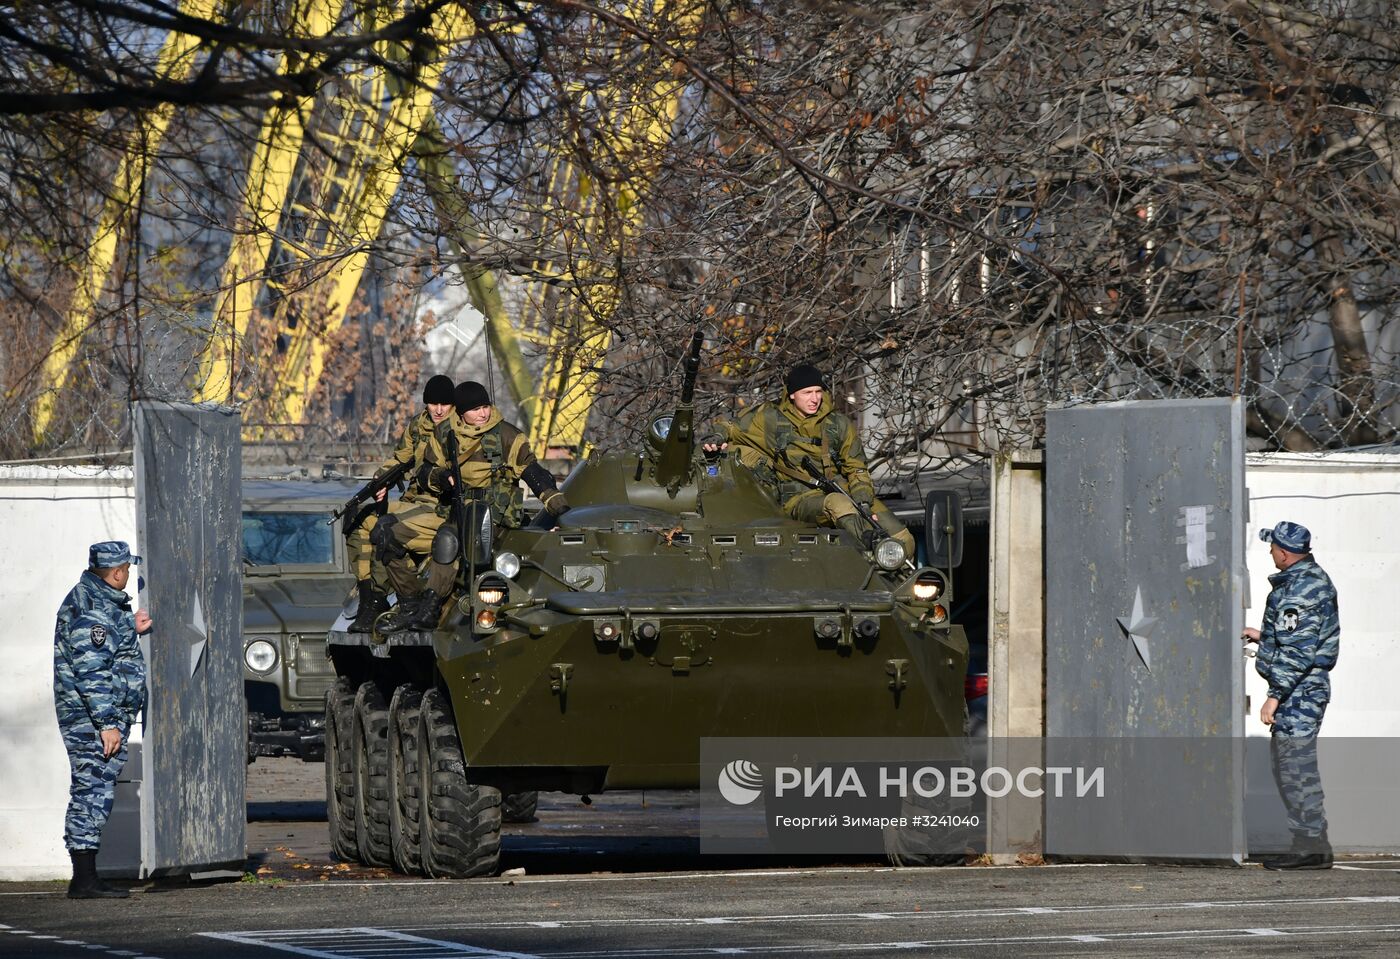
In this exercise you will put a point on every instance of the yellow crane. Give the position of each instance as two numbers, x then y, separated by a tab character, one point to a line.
335	197
176	60
339	204
576	338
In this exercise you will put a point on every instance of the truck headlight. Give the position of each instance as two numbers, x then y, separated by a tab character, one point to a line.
260	655
889	554
507	564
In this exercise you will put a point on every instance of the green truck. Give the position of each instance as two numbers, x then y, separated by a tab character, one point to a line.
295	580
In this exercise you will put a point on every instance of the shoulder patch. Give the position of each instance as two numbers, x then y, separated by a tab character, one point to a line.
1289	620
99	636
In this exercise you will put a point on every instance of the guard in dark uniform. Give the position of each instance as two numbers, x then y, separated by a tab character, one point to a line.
1298	645
99	688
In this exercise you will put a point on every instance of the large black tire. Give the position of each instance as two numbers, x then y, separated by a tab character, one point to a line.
520	807
371	761
403	779
460	822
340	769
912	849
923	846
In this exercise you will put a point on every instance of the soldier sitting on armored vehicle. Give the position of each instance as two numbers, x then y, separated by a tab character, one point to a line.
773	439
492	459
371	578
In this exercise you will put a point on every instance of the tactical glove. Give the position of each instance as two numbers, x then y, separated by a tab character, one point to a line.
554	502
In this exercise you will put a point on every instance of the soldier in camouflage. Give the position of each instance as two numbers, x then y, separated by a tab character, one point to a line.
99	688
371	577
1297	649
493	459
773	438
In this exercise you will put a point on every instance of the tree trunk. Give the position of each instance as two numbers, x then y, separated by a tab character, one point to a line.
1356	388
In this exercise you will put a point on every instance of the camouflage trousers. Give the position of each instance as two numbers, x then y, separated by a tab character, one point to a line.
92	787
406	535
1293	756
361	552
828	509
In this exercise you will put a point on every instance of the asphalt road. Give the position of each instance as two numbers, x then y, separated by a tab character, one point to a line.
621	879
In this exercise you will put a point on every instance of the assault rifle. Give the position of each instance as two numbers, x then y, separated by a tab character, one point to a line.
465	550
821	482
352	507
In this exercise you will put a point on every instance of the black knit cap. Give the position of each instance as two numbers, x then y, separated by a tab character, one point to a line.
802	376
469	395
437	390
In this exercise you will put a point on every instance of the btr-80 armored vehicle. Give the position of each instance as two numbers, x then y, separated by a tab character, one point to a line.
675	601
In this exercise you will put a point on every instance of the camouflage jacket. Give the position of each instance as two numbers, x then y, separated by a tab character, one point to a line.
772	438
1299	639
492	457
410	449
99	675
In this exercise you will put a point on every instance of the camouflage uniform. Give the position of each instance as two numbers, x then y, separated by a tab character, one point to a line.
772	438
1298	646
408	450
99	682
493	458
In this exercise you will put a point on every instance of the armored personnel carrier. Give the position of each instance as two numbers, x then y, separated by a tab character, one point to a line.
675	601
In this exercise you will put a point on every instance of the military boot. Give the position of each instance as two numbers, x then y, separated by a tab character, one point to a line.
419	611
373	603
85	884
427	612
1309	852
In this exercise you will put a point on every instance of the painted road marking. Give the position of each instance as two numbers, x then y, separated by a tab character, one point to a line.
76	943
880	948
359	942
1369	867
922	914
727	875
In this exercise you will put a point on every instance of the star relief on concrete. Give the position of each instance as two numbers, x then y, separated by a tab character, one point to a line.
1138	627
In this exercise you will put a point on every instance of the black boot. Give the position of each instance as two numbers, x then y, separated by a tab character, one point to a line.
1309	852
427	613
419	611
373	604
85	884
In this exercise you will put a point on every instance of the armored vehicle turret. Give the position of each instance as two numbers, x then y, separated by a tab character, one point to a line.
674	601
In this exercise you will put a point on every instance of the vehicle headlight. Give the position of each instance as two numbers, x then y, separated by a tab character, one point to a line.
928	586
507	564
889	554
491	592
260	655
